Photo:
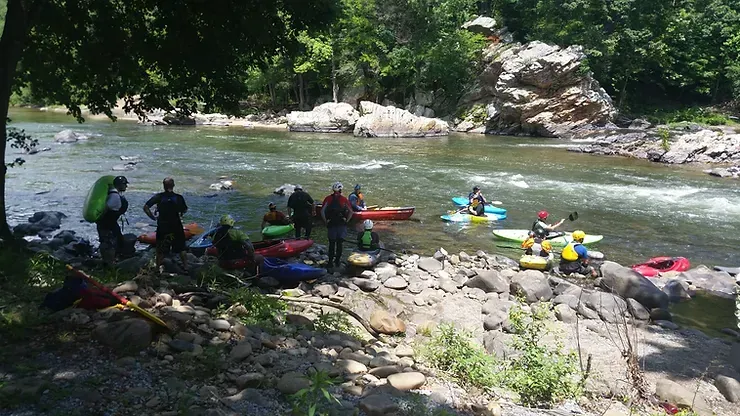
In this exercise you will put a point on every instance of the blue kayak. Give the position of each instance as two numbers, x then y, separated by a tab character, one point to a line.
290	272
204	240
461	201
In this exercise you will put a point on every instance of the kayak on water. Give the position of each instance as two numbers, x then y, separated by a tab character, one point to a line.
190	230
277	230
274	248
661	265
529	261
462	217
364	258
461	201
519	236
377	214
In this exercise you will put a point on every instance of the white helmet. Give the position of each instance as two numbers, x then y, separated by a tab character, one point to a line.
368	224
337	186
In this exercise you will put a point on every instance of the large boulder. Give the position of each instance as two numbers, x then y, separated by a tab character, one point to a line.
380	121
531	284
483	25
489	281
127	335
40	221
68	136
326	118
627	283
536	89
710	281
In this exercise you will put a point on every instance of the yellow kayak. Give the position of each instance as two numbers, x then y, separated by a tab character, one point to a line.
364	258
536	262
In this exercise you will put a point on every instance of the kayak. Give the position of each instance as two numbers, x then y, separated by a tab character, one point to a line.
274	248
529	261
461	201
94	206
364	258
378	214
460	217
190	230
661	265
277	230
290	272
519	236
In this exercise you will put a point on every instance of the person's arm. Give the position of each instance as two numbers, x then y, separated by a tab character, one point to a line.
289	205
582	252
147	207
184	207
323	209
351	212
558	224
485	201
264	222
374	241
113	202
353	202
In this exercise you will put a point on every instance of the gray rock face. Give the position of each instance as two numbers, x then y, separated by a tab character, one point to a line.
565	313
637	310
713	282
68	136
40	221
483	25
498	343
682	397
129	335
428	264
610	308
489	281
536	89
531	284
326	118
379	121
627	283
729	387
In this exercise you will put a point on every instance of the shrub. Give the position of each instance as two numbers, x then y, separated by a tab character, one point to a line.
261	310
315	400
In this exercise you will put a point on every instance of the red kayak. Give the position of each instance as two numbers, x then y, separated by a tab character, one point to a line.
378	214
661	265
274	248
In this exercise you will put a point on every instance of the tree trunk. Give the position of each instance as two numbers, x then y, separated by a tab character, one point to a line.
17	22
334	85
623	91
301	93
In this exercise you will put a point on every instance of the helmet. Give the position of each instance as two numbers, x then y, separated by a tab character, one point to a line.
543	215
358	187
337	186
579	235
227	219
298	188
476	188
119	181
271	206
368	224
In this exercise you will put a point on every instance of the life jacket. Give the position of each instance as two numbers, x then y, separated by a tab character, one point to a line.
366	241
360	198
335	212
227	248
569	252
272	216
539	228
169	208
538	246
110	217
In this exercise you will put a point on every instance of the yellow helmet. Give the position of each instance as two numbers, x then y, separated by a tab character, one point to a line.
579	235
227	219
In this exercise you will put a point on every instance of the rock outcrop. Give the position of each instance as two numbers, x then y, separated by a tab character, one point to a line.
535	89
379	121
326	118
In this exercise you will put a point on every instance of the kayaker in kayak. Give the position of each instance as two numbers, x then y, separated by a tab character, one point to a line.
542	228
170	234
357	200
336	212
233	244
476	196
537	245
109	232
368	240
300	209
274	217
574	258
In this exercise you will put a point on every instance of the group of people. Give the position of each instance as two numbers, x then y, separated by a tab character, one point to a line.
168	212
573	259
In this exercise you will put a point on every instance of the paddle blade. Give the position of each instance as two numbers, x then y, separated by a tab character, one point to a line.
495	203
573	216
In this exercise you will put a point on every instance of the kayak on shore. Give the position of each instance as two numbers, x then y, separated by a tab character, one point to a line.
377	214
661	265
274	248
475	219
518	236
529	261
285	272
364	258
461	201
190	230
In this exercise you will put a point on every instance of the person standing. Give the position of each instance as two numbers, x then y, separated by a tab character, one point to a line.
300	210
109	232
170	209
336	212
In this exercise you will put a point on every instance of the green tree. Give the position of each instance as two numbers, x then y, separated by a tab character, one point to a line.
149	53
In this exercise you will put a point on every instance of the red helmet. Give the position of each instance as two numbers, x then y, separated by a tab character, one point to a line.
543	215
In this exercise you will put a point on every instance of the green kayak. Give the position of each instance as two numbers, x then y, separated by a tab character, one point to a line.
561	241
277	230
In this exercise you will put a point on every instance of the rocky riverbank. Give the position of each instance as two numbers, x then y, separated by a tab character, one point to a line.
230	352
683	144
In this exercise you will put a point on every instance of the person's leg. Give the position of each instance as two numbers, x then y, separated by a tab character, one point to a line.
107	251
341	235
480	210
297	224
308	226
332	246
178	245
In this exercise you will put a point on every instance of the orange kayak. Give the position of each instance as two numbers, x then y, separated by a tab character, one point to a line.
190	230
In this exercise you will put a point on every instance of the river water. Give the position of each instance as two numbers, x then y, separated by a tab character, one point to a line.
642	209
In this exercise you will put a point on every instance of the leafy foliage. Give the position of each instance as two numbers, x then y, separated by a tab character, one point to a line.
335	321
315	400
261	310
18	139
542	374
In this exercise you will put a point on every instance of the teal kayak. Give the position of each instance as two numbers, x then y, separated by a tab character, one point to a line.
277	230
459	217
461	201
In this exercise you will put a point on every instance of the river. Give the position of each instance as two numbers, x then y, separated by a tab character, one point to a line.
642	209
